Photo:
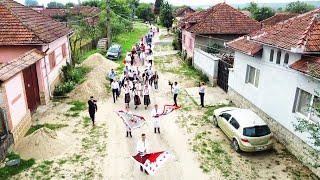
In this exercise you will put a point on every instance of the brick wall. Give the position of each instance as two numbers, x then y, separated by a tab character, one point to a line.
302	151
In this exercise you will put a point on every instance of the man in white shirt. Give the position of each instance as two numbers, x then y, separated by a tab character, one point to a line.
156	118
142	147
115	88
175	91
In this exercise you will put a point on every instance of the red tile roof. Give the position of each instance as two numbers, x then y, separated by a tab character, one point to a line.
224	19
245	46
20	25
191	19
299	34
85	10
182	12
9	69
308	65
279	17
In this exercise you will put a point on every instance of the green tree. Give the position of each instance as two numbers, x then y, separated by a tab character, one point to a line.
252	8
263	13
31	3
69	5
166	15
92	3
54	4
299	7
144	11
157	6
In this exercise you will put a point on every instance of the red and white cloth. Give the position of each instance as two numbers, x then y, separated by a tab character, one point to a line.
169	108
153	161
131	120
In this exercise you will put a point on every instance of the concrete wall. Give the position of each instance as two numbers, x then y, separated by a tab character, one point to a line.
274	97
9	53
188	40
52	75
206	63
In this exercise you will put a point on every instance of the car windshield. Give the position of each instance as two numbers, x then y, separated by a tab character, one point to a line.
256	131
113	50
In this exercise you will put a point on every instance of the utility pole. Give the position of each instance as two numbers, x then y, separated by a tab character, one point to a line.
108	23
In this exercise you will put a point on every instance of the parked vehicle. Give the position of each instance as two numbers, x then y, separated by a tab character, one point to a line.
246	130
114	52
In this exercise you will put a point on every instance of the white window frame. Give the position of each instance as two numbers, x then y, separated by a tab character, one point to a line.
256	78
309	111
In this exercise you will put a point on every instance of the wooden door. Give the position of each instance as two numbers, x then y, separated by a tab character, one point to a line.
31	87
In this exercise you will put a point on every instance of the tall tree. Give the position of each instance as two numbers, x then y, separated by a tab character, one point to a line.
54	4
157	6
299	7
31	3
92	3
144	11
263	13
69	5
166	15
253	7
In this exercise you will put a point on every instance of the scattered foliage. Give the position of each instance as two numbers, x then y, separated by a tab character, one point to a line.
6	172
33	128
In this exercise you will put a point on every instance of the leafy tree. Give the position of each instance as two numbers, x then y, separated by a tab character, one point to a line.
299	7
92	3
166	15
70	5
54	4
213	48
157	6
252	8
31	3
263	13
144	11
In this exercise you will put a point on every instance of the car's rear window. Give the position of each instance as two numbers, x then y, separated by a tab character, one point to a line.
113	49
256	131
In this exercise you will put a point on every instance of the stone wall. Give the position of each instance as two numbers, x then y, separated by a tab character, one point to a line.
22	128
302	151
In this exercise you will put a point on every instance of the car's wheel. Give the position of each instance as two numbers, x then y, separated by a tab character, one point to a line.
235	145
215	121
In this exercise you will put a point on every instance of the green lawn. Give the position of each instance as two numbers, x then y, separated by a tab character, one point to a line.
128	39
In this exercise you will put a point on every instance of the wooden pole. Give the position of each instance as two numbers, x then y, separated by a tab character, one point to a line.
108	28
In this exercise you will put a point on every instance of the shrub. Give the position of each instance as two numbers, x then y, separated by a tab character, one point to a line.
204	78
213	48
189	61
74	74
64	88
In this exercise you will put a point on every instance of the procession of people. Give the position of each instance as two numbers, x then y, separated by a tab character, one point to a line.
138	82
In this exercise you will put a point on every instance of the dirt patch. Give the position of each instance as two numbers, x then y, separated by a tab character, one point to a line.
95	85
43	144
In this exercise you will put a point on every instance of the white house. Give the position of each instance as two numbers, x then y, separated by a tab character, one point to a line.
271	75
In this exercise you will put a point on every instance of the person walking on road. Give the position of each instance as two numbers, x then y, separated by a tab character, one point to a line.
93	108
156	80
126	95
175	91
115	89
156	118
112	76
142	148
146	96
201	93
128	128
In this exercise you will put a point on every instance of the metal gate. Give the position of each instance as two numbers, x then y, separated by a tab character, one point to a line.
223	72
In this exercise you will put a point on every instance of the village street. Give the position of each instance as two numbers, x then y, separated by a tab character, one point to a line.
199	150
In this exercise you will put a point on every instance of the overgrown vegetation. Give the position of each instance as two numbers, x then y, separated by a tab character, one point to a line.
76	108
33	128
8	171
213	48
71	77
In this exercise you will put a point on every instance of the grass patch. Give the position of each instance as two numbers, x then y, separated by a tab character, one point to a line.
78	106
86	121
47	125
211	154
85	55
42	169
7	172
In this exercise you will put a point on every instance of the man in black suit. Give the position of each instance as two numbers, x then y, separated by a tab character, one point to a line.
93	108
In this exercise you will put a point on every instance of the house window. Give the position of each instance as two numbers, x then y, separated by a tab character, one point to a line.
52	60
252	75
286	59
278	57
271	55
64	50
308	105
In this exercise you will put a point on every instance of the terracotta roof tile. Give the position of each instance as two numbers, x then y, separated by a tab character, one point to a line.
308	65
224	19
300	33
23	25
245	45
279	17
182	12
9	69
